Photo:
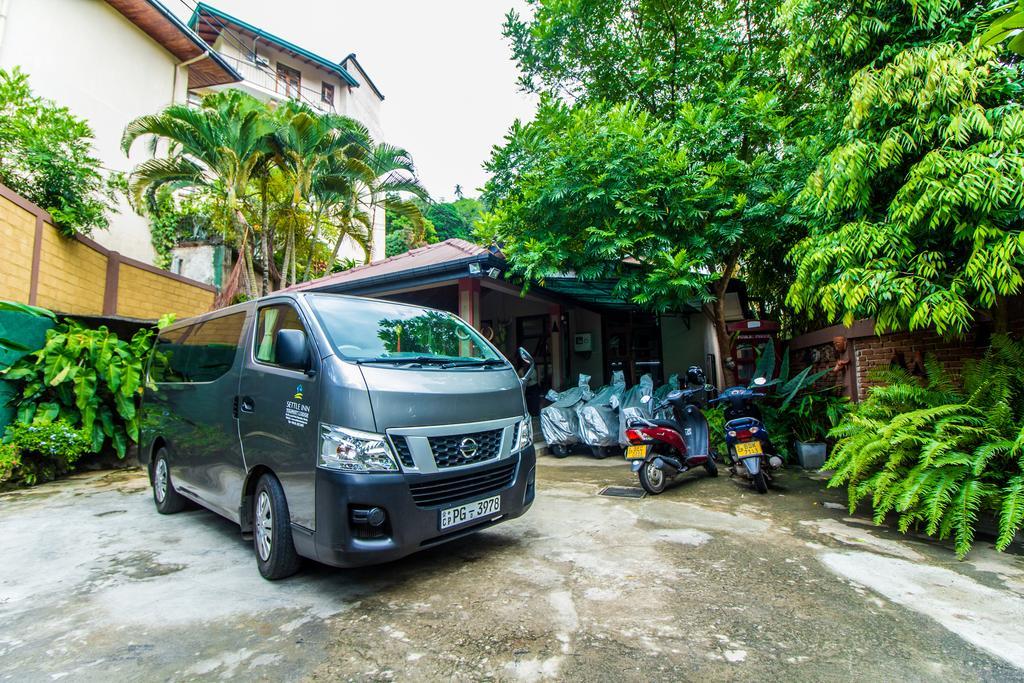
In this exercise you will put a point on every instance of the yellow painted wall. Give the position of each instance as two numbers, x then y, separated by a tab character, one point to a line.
144	294
17	234
73	274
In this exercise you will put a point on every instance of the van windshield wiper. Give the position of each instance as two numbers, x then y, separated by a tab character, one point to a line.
408	360
475	363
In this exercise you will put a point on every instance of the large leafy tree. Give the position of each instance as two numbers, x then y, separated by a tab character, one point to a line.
915	211
668	138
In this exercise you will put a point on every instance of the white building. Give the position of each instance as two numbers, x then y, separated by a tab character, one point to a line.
109	62
274	69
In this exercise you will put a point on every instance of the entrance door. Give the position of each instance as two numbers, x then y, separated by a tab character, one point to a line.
277	410
632	343
533	333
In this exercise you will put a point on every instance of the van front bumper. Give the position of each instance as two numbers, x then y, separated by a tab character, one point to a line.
410	527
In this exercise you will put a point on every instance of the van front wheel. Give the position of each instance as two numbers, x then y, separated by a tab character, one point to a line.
272	532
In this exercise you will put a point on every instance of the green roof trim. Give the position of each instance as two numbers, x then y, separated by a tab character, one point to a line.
224	17
600	292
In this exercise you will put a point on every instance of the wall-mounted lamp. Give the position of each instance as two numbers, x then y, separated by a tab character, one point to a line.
493	273
474	268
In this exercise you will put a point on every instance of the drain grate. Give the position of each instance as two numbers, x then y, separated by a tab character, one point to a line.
622	492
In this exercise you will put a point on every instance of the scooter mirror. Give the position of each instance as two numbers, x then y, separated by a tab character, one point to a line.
760	381
645	399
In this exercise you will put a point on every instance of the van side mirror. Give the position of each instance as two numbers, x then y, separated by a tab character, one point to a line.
291	350
531	367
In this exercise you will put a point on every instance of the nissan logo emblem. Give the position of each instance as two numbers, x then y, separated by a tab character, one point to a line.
468	447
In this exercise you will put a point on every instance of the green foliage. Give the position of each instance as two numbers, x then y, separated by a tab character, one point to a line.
87	378
33	453
46	156
1005	23
404	233
935	453
918	212
175	219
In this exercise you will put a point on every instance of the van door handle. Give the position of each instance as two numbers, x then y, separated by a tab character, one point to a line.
247	405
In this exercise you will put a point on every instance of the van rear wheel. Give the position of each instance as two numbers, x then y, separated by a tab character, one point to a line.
272	531
167	499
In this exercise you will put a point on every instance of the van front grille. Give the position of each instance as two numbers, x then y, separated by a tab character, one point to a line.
472	484
402	449
466	449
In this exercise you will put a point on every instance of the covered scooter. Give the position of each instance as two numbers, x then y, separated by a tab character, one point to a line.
559	422
636	403
598	417
661	393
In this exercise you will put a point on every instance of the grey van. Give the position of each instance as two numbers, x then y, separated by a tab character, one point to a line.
346	430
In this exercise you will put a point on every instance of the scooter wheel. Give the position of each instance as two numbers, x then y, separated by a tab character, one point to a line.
760	483
559	450
711	467
652	479
600	452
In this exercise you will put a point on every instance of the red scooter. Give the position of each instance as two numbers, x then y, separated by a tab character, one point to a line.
662	449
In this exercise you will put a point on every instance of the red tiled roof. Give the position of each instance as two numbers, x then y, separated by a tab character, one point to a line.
433	254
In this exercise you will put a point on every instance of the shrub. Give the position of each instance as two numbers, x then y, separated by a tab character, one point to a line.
87	378
34	453
46	156
937	453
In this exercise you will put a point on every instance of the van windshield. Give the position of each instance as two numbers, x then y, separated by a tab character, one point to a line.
364	330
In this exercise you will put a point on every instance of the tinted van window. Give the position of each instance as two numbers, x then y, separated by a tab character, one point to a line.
272	319
201	352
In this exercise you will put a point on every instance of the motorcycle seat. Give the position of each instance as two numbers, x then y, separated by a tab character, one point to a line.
668	424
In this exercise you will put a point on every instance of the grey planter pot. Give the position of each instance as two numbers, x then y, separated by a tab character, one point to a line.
811	456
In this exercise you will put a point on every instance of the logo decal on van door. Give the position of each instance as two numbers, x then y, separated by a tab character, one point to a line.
295	413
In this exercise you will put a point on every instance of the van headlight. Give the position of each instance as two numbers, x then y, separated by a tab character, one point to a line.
349	450
524	434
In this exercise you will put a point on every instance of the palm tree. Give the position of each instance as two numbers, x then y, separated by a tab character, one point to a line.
379	176
311	149
220	148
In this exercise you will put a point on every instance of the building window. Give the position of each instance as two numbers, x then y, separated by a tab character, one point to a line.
289	81
327	94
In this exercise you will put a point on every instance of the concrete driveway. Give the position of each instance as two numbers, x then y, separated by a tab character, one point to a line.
708	581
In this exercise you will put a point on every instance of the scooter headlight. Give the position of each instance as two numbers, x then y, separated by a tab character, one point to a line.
524	434
349	450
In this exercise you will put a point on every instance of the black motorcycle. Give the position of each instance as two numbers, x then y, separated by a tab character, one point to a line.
750	448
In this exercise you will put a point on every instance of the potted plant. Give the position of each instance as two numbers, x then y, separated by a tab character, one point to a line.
814	414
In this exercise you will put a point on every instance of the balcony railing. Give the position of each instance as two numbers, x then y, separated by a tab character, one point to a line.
265	78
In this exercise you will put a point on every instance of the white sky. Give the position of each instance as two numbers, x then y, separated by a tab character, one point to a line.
443	66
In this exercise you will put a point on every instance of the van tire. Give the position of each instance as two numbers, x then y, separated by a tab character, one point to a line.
167	499
272	531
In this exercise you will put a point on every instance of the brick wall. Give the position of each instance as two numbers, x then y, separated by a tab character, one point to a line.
77	276
866	352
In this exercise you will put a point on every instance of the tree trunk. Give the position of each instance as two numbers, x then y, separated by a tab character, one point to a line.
265	237
730	375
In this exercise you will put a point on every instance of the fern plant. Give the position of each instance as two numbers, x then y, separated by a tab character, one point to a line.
939	452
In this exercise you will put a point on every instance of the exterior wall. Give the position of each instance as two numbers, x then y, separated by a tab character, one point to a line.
86	56
145	294
581	321
72	275
867	352
79	276
682	347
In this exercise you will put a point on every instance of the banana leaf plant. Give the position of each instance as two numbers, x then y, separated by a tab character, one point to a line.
87	377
